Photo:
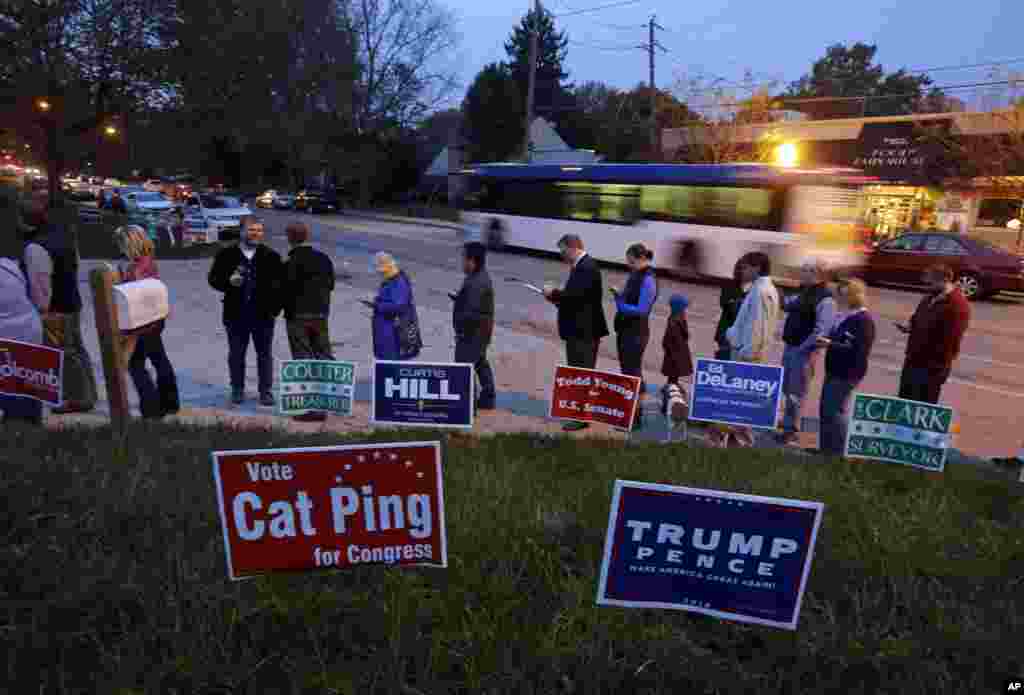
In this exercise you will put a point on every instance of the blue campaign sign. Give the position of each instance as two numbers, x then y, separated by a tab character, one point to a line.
723	554
422	394
736	393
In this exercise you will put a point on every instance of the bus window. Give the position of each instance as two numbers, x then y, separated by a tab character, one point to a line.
608	203
723	206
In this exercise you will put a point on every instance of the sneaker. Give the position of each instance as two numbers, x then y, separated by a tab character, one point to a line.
267	398
237	397
310	417
785	438
574	426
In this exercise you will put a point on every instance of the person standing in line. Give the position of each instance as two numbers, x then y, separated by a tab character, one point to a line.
19	313
633	317
811	315
473	320
396	334
249	276
160	399
307	286
935	332
51	252
849	346
751	334
730	300
581	319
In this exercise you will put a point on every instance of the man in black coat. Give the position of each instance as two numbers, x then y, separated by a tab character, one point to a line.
308	283
250	276
473	320
581	320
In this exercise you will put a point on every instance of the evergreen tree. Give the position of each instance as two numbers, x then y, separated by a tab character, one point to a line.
493	111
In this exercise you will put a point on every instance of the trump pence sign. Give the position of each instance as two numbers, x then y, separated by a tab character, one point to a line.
587	395
723	554
323	508
422	394
29	370
736	393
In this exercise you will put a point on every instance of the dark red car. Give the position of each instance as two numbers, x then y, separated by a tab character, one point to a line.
982	270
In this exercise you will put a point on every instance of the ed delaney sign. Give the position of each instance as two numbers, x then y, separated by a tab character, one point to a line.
316	385
899	431
424	394
736	393
321	508
587	395
727	555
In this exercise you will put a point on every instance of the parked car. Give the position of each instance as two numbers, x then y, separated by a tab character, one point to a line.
266	199
318	201
154	185
149	201
284	201
982	269
215	216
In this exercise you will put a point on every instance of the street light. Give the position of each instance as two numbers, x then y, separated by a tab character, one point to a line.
110	130
786	155
43	105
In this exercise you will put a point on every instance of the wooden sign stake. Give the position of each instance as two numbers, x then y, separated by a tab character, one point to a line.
107	330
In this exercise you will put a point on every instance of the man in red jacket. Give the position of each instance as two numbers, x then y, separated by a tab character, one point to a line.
935	331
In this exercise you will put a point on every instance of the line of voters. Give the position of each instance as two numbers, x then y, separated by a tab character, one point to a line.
40	303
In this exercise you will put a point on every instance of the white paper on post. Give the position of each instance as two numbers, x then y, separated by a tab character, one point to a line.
140	303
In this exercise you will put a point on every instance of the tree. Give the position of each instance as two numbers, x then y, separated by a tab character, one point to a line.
846	83
493	112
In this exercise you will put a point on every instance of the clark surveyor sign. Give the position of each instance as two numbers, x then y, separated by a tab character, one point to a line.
899	431
587	395
724	554
316	385
291	510
736	393
422	394
33	371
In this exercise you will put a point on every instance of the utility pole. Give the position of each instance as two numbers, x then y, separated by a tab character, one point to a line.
532	83
651	45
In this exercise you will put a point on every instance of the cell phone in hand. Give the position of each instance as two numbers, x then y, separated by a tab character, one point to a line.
902	327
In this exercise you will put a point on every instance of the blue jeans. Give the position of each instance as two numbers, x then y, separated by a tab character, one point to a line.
161	398
798	371
835	400
261	332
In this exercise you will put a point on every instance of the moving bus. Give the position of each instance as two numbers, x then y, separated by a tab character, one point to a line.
698	218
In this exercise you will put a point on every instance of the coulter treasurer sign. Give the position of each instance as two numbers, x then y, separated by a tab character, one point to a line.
899	431
732	556
29	370
290	510
316	385
736	393
588	395
438	394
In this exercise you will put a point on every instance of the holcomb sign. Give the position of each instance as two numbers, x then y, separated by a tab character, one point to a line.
30	370
323	508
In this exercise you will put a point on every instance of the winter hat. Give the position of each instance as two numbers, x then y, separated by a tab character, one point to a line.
678	302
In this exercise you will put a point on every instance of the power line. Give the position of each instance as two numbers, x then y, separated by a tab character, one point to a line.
601	48
597	8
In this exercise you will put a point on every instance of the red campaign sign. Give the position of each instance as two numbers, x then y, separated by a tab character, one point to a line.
31	370
324	508
588	395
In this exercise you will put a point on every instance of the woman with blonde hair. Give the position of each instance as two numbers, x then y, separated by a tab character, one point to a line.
146	343
396	332
846	363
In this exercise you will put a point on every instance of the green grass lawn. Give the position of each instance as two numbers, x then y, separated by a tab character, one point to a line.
114	579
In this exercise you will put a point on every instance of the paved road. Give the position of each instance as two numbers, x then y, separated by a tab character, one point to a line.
986	388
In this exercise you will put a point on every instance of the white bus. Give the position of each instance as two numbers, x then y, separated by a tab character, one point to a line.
698	218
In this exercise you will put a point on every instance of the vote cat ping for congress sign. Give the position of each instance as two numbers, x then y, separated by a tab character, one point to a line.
322	508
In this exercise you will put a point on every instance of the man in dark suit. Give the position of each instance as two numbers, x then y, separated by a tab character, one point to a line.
473	320
581	320
250	276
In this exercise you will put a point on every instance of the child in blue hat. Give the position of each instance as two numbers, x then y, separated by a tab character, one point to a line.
678	362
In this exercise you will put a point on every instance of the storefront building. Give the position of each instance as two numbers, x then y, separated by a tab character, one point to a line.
905	154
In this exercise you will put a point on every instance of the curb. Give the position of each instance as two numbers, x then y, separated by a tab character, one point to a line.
422	221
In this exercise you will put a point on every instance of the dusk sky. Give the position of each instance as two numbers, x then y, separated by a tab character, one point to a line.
775	40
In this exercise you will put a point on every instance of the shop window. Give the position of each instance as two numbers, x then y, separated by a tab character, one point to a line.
996	212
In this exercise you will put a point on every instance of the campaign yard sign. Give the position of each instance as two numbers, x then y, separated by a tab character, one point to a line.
895	430
30	370
423	394
324	508
589	395
724	554
736	393
316	385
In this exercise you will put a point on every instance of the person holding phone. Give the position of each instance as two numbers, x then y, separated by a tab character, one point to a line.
633	315
846	363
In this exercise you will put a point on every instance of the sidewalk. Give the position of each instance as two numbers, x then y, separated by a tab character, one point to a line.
387	217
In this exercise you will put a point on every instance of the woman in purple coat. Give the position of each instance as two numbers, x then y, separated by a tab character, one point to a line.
394	313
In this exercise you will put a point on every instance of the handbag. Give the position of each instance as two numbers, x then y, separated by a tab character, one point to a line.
410	341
